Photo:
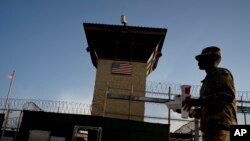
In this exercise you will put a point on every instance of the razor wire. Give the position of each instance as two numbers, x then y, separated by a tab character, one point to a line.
161	90
16	106
153	89
46	106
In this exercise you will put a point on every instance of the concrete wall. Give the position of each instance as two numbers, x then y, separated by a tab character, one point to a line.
134	84
63	125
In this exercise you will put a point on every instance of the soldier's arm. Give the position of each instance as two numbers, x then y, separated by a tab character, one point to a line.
188	103
195	113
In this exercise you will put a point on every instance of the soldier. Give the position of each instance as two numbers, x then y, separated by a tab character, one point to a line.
217	102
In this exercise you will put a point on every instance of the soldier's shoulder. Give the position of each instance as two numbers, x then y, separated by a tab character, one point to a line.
222	71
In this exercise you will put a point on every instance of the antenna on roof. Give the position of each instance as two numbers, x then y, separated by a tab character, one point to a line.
123	20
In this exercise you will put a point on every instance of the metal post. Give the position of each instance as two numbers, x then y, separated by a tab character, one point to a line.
169	94
11	77
243	111
130	98
196	122
105	100
6	105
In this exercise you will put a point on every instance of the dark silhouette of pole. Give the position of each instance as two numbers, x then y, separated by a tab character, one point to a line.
6	105
243	111
169	94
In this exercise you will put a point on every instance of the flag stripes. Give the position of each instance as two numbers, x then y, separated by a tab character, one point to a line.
121	68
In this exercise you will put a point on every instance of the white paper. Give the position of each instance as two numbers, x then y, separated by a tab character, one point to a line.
176	104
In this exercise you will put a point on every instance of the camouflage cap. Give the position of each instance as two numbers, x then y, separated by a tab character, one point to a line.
209	51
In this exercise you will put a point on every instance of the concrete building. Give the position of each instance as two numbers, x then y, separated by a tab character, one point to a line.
124	56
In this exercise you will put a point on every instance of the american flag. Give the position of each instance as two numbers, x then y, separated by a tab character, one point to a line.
121	68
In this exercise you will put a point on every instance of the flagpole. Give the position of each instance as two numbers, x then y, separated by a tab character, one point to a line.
6	106
8	95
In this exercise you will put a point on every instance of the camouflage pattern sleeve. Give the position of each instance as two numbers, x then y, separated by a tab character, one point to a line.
224	92
218	101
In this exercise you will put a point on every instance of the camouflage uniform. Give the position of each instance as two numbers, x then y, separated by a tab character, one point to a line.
218	105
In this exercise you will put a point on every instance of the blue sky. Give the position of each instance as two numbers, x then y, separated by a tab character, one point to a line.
44	42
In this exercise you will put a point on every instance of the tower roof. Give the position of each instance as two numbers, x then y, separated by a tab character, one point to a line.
125	43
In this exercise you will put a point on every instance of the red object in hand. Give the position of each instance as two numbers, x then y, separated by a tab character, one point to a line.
187	90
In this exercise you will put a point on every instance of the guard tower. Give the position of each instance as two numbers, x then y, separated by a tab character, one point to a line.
124	56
